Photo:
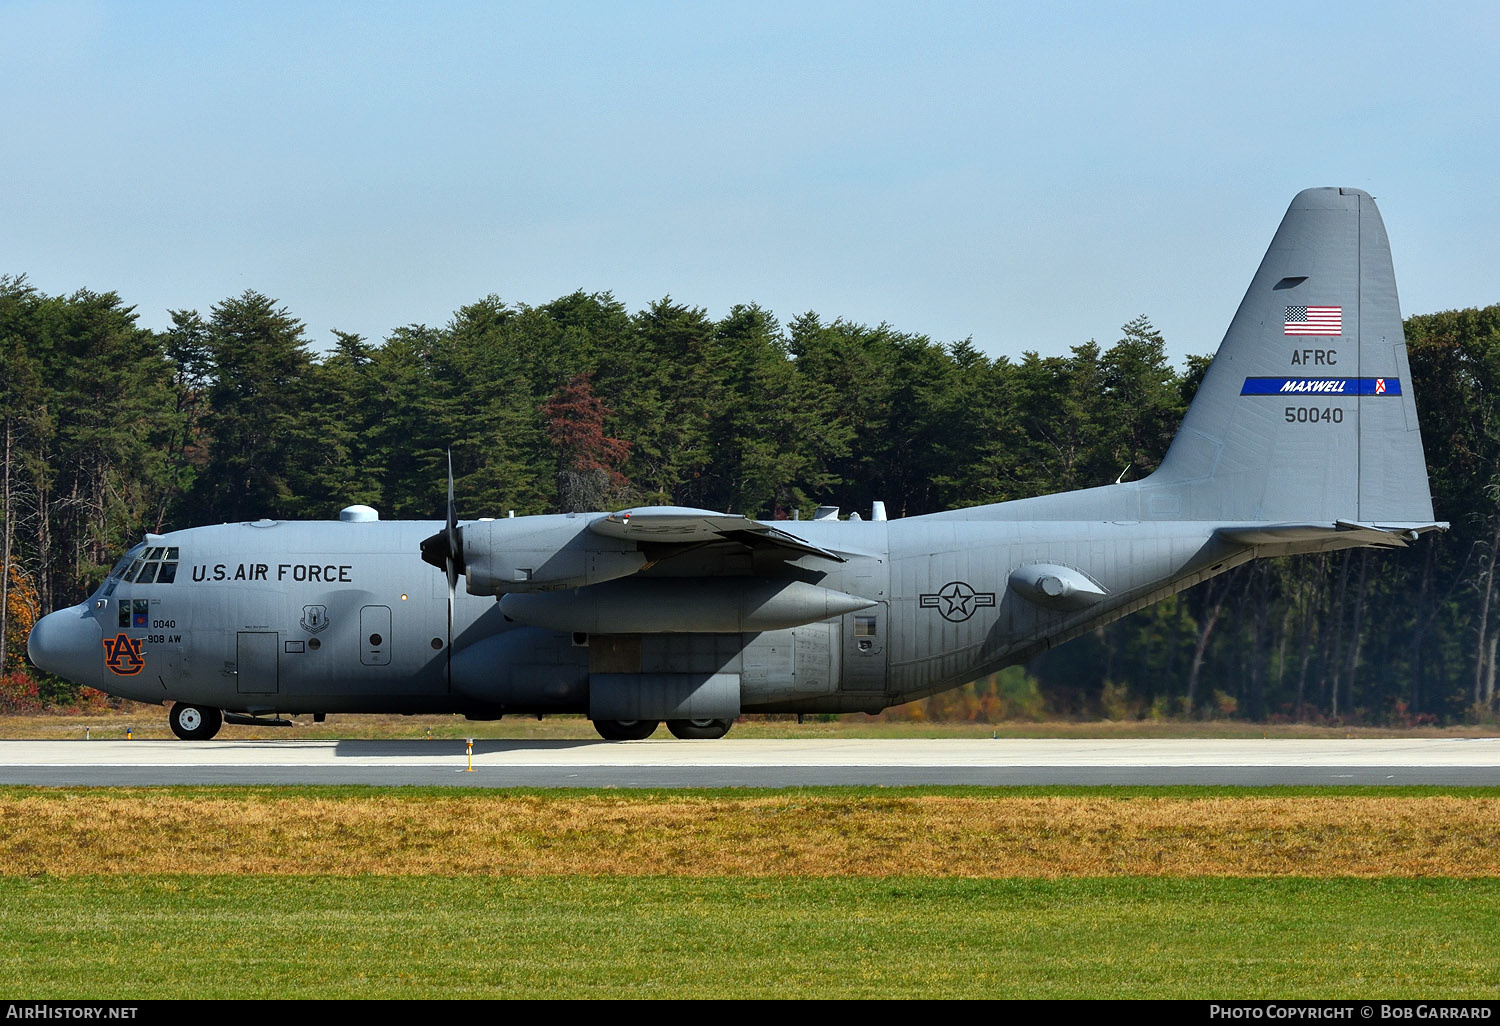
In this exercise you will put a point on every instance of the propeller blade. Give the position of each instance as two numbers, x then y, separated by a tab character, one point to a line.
451	562
445	550
452	517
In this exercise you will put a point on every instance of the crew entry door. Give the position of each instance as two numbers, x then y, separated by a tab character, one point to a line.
864	649
256	669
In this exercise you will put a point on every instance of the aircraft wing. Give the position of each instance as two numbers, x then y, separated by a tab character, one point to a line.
682	525
546	553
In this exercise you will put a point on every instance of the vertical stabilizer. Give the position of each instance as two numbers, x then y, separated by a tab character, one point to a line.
1306	413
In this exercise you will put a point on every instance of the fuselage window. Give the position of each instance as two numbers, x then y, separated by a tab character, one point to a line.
864	626
134	613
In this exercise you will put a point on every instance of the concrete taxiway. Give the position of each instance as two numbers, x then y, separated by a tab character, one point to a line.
758	763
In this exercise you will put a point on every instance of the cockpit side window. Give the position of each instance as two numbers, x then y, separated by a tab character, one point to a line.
122	568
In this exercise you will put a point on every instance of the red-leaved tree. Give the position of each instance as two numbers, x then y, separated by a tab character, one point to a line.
588	460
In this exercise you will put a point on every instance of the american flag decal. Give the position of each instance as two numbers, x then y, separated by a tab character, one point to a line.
1314	320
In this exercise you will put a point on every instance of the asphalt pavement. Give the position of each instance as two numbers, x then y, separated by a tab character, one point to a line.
758	763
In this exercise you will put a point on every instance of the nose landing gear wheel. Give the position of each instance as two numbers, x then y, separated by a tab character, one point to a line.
699	730
625	730
194	722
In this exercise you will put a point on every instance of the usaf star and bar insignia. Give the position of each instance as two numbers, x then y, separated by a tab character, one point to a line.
956	601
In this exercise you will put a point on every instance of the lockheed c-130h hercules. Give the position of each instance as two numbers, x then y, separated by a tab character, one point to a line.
1302	437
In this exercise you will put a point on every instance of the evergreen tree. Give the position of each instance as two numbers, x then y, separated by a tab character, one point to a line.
257	422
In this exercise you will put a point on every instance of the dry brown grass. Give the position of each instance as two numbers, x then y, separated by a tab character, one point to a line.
72	832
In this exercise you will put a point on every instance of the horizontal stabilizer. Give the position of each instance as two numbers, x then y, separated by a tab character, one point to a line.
1348	533
681	525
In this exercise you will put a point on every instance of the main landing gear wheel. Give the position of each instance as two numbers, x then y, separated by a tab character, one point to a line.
699	730
194	722
625	730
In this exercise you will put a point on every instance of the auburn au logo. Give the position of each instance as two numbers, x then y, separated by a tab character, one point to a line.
123	655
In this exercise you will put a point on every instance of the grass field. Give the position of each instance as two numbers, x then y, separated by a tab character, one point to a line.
344	892
348	892
815	832
129	936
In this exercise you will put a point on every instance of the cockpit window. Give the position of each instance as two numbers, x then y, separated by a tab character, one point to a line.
141	565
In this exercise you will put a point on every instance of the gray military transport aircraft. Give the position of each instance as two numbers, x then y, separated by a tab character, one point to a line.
1302	438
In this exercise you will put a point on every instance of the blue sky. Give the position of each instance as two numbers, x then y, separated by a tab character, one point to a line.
1027	175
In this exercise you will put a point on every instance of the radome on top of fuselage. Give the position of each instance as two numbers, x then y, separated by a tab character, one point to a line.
695	617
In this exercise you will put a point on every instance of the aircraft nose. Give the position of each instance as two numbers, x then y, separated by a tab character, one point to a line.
67	643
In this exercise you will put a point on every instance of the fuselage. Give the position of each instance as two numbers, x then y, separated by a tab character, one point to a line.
298	617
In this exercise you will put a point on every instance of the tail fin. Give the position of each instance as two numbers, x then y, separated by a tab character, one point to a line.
1306	414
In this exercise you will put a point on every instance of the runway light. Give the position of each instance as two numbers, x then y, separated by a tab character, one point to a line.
471	756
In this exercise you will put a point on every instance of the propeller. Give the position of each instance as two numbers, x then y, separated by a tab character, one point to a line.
455	542
445	550
453	553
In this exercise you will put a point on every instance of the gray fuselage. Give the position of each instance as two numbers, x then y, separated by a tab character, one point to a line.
292	617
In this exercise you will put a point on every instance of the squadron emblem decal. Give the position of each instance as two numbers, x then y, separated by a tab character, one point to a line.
123	655
314	618
956	601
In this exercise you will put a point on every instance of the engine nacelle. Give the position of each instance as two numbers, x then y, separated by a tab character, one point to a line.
717	605
542	553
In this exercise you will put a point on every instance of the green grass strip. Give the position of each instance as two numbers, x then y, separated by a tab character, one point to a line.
135	937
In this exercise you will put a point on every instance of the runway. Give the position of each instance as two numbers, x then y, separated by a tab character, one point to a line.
758	763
